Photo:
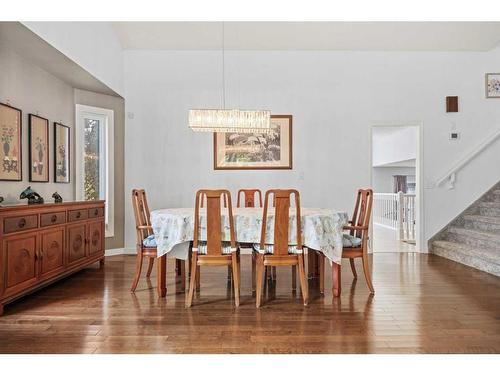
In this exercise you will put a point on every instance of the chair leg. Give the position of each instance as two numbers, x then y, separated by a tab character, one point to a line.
366	269
259	275
138	269
253	272
229	273
303	281
321	260
198	275
294	278
336	279
273	277
235	277
150	266
183	274
353	268
192	281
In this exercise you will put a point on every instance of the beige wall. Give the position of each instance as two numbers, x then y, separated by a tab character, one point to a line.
118	106
33	90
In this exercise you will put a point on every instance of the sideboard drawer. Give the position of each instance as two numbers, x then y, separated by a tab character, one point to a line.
17	224
96	212
52	218
75	215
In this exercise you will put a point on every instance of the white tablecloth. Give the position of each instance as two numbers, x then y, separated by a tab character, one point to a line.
321	229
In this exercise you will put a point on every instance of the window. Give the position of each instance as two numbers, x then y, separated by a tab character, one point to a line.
94	158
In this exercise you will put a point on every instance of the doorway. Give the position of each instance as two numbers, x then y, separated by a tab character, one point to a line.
396	181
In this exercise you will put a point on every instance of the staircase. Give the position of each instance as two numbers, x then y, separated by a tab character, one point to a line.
473	238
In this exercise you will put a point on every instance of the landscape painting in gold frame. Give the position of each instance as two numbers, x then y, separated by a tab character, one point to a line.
270	150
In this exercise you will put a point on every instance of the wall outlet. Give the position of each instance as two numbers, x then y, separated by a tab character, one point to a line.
130	115
454	136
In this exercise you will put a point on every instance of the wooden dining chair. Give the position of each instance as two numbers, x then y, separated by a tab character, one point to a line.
214	251
249	197
203	199
146	244
280	253
355	242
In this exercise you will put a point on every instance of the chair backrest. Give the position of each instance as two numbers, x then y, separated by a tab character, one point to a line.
203	198
249	197
281	200
141	214
214	220
362	212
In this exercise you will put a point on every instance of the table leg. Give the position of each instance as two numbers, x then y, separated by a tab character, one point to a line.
161	276
312	264
336	279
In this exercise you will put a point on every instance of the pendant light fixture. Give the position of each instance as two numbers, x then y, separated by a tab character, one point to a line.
229	120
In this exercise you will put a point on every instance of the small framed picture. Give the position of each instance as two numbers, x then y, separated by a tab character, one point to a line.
62	153
38	148
11	143
493	85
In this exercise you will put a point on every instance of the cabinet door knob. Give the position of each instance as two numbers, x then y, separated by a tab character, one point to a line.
78	214
96	212
53	218
22	223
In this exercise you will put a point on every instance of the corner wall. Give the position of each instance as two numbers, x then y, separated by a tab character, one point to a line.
33	90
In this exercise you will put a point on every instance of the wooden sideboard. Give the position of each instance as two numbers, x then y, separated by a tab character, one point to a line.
44	243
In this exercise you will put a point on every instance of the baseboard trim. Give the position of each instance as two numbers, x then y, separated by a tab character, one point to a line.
120	251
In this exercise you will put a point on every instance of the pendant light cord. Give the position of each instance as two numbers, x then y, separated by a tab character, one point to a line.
223	69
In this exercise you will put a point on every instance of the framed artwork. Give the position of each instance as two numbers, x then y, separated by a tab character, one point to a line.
493	85
38	148
11	147
272	150
62	153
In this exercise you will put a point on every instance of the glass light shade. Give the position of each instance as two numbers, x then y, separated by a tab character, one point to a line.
229	121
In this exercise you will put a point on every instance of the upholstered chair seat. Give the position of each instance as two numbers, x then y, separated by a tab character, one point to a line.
226	248
269	249
149	241
350	241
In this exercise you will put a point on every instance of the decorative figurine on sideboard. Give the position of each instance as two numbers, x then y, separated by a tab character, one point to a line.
57	197
33	196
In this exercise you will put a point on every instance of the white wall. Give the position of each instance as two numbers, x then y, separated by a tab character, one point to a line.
33	90
92	45
383	181
392	144
334	97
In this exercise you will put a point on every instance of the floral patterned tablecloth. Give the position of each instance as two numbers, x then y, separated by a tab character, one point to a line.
321	229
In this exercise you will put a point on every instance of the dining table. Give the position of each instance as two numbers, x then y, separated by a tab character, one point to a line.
321	231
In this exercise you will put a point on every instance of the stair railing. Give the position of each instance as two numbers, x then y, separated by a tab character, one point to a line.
451	175
396	211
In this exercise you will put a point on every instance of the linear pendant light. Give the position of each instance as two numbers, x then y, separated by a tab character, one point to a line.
229	120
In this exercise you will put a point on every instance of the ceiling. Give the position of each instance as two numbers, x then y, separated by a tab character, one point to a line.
363	36
18	38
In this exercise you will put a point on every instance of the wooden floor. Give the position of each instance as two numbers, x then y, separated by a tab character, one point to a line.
423	304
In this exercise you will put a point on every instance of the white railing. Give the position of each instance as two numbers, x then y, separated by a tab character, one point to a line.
397	212
450	176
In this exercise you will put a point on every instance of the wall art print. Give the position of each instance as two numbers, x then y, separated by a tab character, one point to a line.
493	85
61	153
272	150
38	148
11	143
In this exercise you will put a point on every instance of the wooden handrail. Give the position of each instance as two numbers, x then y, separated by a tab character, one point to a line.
450	175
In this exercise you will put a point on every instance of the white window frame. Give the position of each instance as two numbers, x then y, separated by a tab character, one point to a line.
107	143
